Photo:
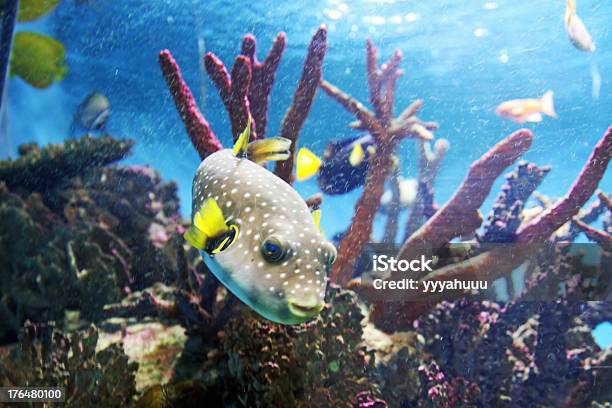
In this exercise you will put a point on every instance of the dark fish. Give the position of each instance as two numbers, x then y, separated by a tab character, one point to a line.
343	167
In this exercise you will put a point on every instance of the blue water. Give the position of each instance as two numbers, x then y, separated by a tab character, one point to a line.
461	58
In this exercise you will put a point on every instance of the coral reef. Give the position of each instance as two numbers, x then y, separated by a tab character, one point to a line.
84	241
75	235
460	216
90	378
253	362
387	132
245	93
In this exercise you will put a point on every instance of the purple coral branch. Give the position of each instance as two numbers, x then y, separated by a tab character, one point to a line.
460	216
601	237
199	131
233	90
501	261
263	74
583	188
302	99
429	165
8	17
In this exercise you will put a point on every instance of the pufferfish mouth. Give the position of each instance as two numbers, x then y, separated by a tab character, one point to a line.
302	310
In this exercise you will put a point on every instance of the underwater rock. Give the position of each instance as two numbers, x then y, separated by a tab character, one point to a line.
483	354
47	358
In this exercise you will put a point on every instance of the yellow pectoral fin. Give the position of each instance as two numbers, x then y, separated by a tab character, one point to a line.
210	220
357	155
272	148
308	164
196	238
242	143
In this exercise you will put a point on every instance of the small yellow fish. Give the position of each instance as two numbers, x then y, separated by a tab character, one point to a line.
527	110
576	30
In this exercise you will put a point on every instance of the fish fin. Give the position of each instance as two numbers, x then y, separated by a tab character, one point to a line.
534	117
308	164
357	155
210	220
272	148
316	216
570	7
196	237
242	143
548	105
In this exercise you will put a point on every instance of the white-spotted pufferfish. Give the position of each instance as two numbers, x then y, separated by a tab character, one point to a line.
257	235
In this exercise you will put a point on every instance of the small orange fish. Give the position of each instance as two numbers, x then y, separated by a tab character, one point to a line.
527	110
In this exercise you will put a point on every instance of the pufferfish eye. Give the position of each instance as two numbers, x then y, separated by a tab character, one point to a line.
274	250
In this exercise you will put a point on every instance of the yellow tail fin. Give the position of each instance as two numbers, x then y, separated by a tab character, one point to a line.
308	164
272	148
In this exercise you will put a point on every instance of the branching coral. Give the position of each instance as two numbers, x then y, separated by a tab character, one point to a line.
430	161
499	261
245	94
387	132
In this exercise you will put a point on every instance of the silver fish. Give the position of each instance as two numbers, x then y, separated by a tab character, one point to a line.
93	112
257	235
576	30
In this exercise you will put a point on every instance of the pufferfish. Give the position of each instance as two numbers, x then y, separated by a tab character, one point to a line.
257	235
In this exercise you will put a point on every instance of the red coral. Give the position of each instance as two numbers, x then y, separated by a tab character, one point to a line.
198	129
302	99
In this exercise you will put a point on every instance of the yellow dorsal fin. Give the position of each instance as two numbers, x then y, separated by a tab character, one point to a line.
357	155
308	164
242	143
208	222
316	216
272	148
